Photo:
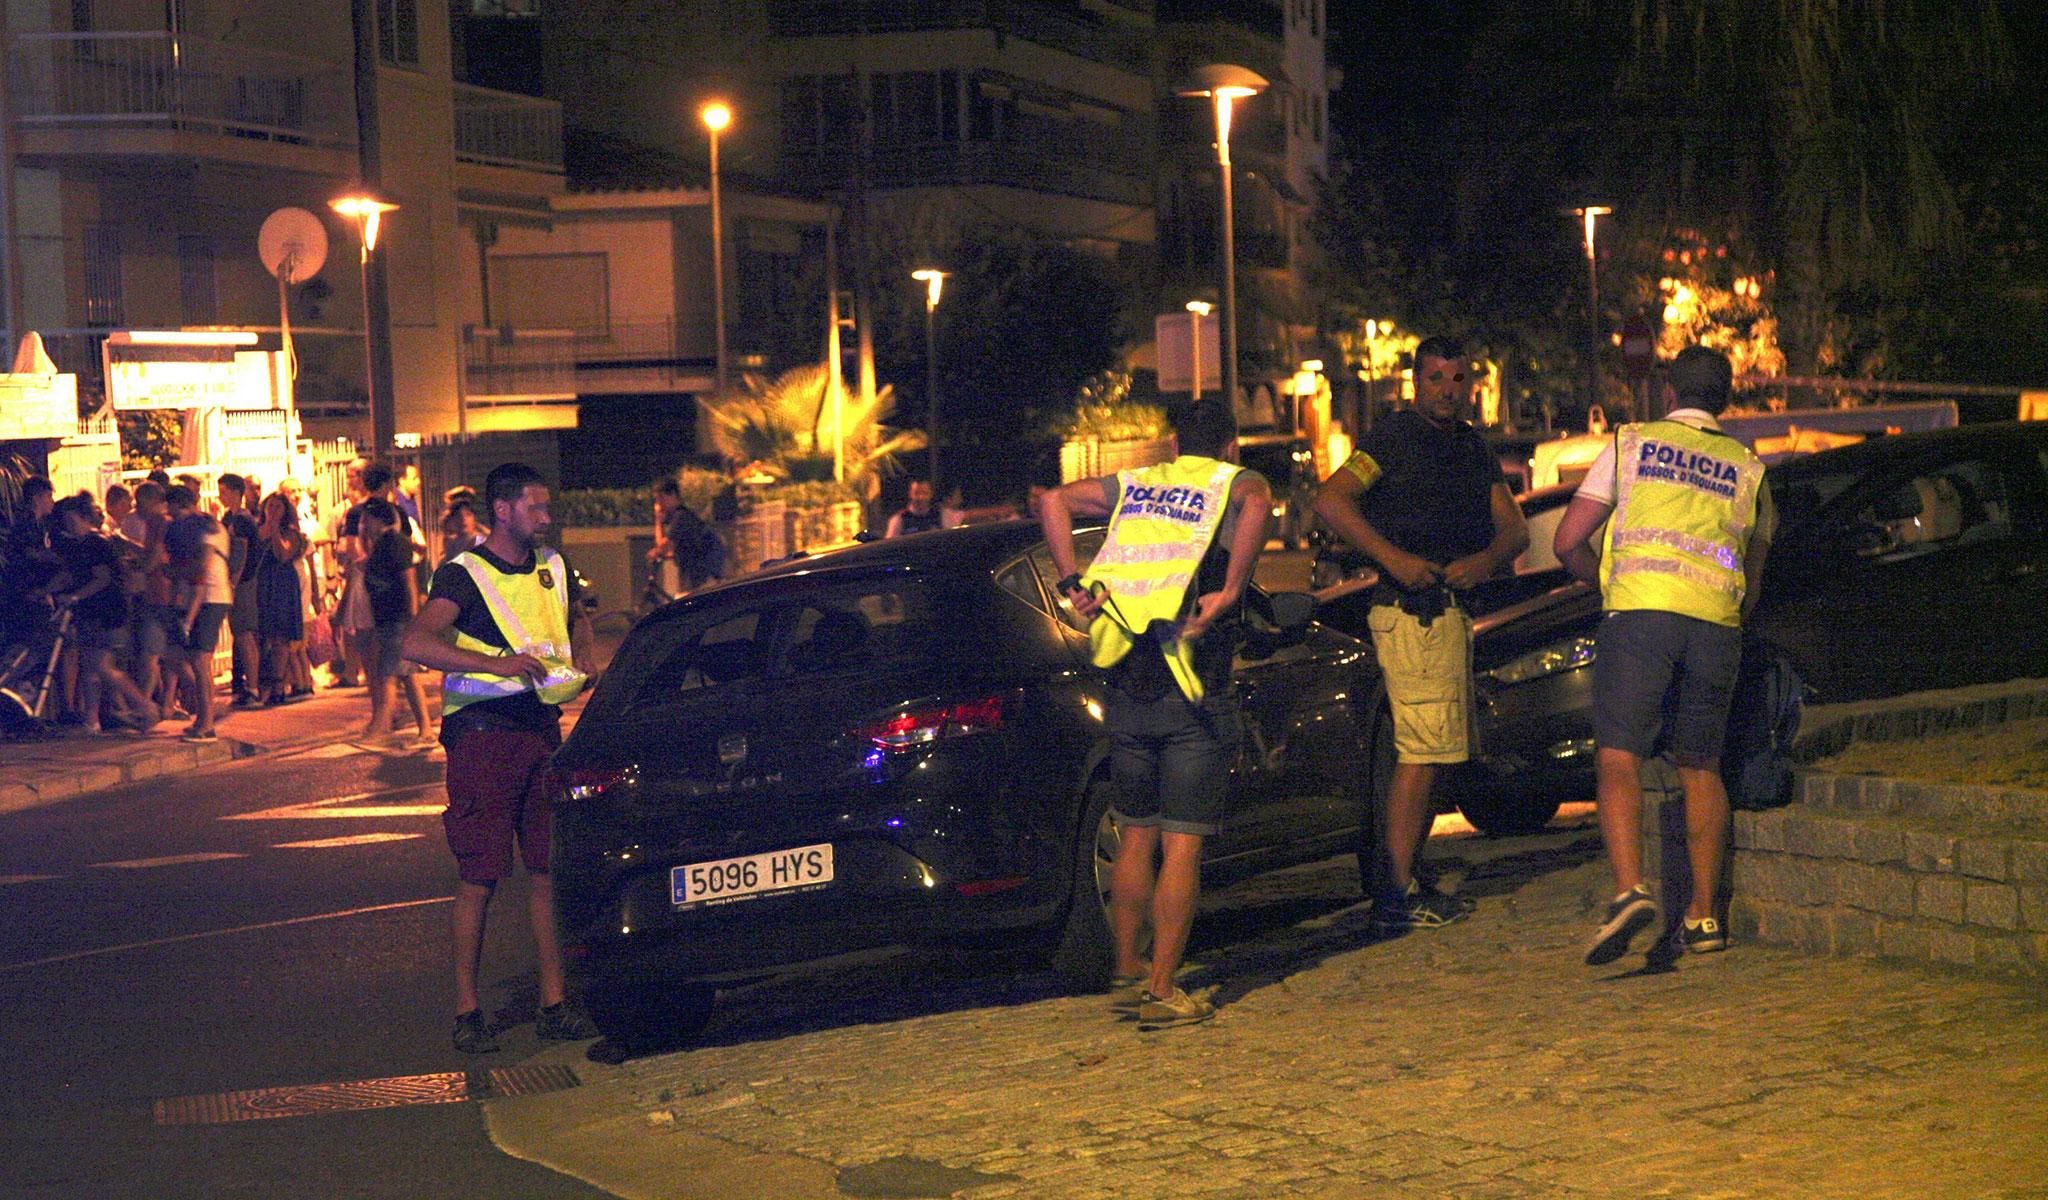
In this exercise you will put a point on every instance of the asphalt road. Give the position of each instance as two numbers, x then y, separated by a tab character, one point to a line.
276	923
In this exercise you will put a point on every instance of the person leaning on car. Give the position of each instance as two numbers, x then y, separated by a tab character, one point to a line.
1691	522
1163	596
1425	497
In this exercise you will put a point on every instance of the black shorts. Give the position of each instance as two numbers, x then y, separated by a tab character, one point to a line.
204	636
1650	666
1170	760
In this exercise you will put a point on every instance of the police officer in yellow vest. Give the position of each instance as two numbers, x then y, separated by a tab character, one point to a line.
1688	524
508	668
1162	596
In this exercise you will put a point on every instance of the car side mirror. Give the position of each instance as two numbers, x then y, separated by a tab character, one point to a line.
1281	619
1290	611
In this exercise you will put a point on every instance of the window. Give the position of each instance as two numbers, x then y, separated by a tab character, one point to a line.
1956	504
104	307
398	32
1085	546
1021	581
735	649
866	627
198	285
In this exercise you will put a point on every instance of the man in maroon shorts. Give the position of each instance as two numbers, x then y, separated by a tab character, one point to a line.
507	672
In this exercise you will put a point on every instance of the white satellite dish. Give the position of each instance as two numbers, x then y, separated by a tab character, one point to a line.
292	244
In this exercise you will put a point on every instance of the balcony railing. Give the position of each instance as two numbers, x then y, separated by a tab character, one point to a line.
156	80
506	362
1059	26
1058	170
505	129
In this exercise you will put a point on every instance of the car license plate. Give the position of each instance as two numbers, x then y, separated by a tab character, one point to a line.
800	870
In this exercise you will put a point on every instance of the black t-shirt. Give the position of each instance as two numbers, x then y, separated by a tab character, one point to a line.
1434	494
351	518
384	576
240	526
452	582
81	556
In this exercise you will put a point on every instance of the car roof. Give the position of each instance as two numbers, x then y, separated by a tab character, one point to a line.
1880	452
969	548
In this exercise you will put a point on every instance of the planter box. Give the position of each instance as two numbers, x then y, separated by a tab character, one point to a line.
1087	458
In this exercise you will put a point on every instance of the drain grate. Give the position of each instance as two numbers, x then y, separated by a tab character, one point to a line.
305	1100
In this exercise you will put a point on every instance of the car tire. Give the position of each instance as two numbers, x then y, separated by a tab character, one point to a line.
1085	955
1372	802
1502	815
642	1009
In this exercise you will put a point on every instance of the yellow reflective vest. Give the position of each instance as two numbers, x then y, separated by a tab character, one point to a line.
531	609
1685	504
1166	517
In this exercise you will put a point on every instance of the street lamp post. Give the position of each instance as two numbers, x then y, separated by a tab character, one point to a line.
1197	309
716	116
1590	214
367	212
1225	85
934	281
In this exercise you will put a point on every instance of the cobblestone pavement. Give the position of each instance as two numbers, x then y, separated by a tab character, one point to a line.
1482	1060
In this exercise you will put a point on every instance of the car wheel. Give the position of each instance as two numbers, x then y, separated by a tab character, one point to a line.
1085	956
1497	814
1372	803
641	1009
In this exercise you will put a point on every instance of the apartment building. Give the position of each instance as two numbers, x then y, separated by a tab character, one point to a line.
147	140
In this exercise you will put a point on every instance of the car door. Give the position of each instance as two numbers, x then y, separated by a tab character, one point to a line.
1922	577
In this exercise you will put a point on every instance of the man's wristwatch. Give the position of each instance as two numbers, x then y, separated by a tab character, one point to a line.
1071	583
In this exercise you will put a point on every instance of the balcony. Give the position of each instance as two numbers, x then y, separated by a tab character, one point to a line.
644	355
1060	170
1063	27
505	129
93	83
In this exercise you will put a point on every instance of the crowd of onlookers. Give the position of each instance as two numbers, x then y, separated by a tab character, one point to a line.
150	581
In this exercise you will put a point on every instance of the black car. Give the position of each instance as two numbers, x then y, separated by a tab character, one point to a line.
900	743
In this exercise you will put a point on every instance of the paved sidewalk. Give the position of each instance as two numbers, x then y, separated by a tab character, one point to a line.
38	773
1482	1060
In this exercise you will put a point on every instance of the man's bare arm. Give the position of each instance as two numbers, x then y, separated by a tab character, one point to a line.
1253	501
1337	504
1573	543
426	643
1056	512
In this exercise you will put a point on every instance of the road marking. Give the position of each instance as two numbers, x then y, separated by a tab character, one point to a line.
331	750
305	1100
6	880
170	860
323	810
360	839
214	933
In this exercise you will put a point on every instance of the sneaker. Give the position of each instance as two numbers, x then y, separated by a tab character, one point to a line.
1632	912
199	735
247	700
1177	1009
1417	908
563	1022
1127	993
1704	936
473	1034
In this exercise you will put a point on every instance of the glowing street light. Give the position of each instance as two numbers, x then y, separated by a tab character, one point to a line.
1197	309
934	281
1225	85
716	116
367	212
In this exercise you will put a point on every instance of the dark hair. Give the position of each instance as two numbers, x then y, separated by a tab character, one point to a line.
160	477
149	489
1205	427
667	486
82	504
459	494
507	481
1702	378
231	482
1449	349
376	477
181	497
118	489
384	512
37	485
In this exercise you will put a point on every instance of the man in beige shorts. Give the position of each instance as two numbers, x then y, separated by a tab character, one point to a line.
1425	497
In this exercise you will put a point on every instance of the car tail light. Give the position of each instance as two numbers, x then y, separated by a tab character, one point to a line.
923	725
588	783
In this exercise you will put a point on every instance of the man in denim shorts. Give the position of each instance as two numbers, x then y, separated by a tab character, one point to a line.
1425	497
1163	596
1688	524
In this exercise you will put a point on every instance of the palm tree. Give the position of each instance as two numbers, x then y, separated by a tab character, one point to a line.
785	425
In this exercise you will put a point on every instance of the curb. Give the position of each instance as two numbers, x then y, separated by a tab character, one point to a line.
173	758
